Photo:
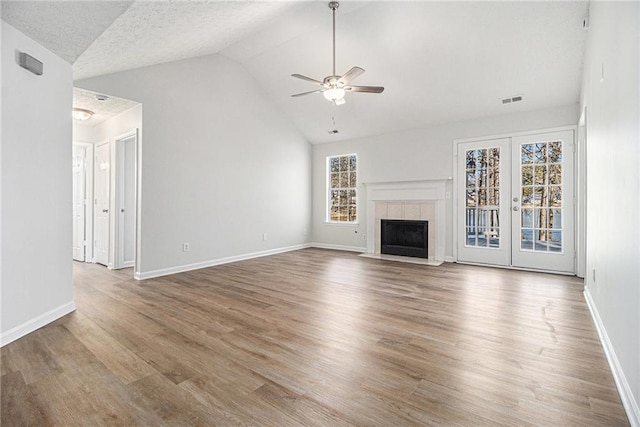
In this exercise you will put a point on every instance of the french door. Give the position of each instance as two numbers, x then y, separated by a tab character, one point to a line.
516	201
484	193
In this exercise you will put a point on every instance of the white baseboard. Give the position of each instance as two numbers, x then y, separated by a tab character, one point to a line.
34	324
629	403
214	262
449	259
338	247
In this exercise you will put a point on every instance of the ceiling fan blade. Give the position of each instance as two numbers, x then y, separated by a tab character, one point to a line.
306	93
309	79
367	89
350	75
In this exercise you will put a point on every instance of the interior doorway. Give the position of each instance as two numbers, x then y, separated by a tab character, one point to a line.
107	151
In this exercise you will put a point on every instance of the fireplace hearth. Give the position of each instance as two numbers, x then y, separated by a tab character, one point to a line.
404	237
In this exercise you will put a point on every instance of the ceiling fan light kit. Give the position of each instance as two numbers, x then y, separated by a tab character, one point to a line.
334	94
334	87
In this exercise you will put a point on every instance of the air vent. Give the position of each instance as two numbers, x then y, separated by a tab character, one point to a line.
333	131
512	99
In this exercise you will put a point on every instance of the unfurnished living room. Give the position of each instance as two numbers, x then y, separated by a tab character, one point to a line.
322	213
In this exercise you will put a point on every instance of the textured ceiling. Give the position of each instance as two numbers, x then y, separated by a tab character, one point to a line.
67	28
439	61
102	110
153	32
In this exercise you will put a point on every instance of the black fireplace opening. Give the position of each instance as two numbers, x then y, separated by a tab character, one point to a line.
404	237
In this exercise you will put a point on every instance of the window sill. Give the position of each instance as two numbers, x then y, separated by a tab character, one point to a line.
342	224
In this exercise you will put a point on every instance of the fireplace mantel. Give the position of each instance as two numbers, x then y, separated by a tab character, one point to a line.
432	190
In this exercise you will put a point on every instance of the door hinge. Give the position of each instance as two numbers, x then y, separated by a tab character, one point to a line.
84	243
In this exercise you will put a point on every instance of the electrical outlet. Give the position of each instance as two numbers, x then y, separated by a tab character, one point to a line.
185	247
364	237
264	236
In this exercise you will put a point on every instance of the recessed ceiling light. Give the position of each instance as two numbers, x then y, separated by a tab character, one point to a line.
102	98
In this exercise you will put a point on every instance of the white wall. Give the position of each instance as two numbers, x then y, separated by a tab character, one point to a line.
220	165
82	133
613	188
413	155
118	125
36	264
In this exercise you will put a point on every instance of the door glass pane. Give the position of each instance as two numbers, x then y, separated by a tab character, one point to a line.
527	218
527	196
526	152
526	239
527	175
540	153
555	219
541	189
482	221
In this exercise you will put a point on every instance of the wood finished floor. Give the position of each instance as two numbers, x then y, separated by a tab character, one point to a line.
315	337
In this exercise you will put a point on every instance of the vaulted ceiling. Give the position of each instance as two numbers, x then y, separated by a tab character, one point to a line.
438	61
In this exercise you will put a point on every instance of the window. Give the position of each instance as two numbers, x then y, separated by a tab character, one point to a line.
342	179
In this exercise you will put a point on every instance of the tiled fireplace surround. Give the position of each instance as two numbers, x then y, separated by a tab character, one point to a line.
412	200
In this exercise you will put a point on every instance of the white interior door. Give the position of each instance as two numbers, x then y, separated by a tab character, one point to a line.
79	202
102	169
484	190
516	201
542	210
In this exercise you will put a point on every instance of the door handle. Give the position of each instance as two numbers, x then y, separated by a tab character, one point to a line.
105	210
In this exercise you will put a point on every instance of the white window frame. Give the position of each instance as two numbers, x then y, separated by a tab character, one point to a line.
328	219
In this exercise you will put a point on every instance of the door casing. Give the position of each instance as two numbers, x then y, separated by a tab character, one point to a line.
125	200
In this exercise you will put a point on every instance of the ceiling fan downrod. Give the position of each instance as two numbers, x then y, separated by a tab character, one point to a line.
333	6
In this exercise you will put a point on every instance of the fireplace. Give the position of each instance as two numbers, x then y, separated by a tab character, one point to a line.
404	237
420	200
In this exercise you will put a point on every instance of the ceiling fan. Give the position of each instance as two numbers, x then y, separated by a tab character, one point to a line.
334	86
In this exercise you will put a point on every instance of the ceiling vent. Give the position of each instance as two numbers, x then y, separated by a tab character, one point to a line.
512	99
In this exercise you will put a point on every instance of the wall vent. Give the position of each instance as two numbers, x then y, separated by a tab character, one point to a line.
511	99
